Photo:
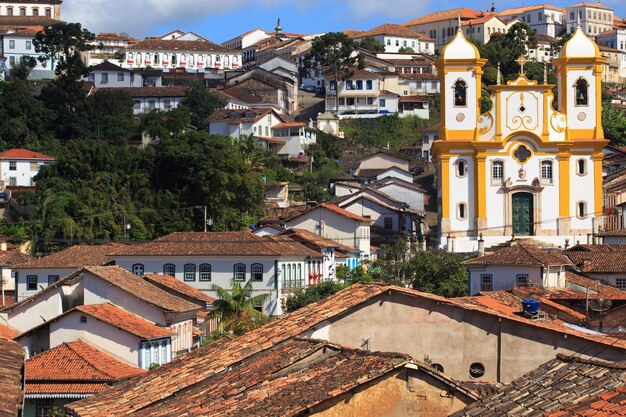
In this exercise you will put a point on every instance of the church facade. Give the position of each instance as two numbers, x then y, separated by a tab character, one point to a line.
522	168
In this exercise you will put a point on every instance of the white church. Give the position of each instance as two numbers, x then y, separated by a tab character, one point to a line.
522	169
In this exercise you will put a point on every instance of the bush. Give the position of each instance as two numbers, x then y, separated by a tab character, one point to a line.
311	294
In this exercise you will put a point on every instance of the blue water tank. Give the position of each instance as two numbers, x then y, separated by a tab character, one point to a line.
531	306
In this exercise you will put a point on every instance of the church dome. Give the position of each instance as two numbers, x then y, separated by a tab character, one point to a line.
460	48
580	46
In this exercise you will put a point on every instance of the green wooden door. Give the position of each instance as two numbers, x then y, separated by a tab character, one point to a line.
523	214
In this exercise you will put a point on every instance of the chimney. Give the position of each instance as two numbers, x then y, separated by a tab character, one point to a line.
3	245
481	245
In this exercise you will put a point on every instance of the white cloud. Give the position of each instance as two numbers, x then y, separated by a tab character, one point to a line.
140	17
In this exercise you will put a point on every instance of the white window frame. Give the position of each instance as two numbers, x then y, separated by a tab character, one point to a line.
169	269
546	179
32	280
189	273
205	272
497	178
239	272
256	272
521	277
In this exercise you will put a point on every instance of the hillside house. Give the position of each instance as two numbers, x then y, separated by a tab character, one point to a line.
18	167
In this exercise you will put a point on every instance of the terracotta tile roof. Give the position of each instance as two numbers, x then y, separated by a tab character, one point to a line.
13	257
343	212
225	115
157	44
390	29
598	248
445	15
286	379
268	139
141	289
242	94
599	262
479	20
11	371
592	5
596	288
608	403
289	124
519	10
24	154
304	237
73	390
76	362
73	257
353	33
414	99
108	66
170	91
421	76
27	21
177	286
520	254
7	332
560	382
124	320
217	357
218	244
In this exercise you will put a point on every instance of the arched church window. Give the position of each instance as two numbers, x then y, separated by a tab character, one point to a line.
582	92
460	93
581	209
581	167
462	211
461	168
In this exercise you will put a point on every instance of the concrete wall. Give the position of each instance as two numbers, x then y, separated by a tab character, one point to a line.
400	393
453	337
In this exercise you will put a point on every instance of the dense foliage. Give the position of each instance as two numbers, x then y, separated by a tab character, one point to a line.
236	308
311	294
391	130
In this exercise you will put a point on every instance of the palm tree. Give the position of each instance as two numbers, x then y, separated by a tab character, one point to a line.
235	309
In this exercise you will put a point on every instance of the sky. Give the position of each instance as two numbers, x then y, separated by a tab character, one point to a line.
220	20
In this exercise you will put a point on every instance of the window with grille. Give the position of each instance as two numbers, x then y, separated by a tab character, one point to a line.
257	272
205	272
546	171
31	282
190	272
521	280
486	282
497	171
169	269
239	272
620	283
138	269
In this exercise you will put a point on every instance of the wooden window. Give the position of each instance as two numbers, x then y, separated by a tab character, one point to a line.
521	280
138	269
205	272
239	272
190	272
31	282
486	282
256	271
169	269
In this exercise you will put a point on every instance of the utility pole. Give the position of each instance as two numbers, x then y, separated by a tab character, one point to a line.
205	219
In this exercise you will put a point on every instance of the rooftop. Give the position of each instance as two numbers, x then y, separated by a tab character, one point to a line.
451	15
124	320
11	372
218	244
201	364
599	262
74	363
178	286
389	29
608	403
174	45
286	379
520	254
73	257
7	332
24	154
168	91
560	382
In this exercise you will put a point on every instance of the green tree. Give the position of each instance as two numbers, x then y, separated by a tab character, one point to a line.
109	115
371	44
337	54
61	44
201	103
614	124
236	309
437	272
23	68
354	275
311	294
406	50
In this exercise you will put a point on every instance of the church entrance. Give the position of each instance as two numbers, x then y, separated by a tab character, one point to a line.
522	214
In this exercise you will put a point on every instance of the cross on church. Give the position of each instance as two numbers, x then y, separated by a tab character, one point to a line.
521	61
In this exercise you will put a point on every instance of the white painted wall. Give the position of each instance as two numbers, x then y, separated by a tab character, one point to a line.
42	279
504	277
147	104
460	118
24	172
36	312
414	198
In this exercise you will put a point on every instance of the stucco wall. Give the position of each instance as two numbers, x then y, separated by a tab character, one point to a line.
39	310
455	338
42	279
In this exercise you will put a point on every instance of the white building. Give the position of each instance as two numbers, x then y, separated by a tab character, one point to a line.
594	18
202	260
544	19
244	122
17	43
107	47
395	37
108	75
519	265
35	8
523	168
18	167
176	51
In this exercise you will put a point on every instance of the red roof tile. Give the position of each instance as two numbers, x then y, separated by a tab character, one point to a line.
141	289
24	154
599	262
389	29
609	403
451	15
178	286
218	244
73	257
124	320
289	124
13	257
76	362
7	332
11	371
338	210
77	389
219	356
157	44
520	254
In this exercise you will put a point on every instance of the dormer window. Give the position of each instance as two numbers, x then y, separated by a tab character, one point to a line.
582	92
234	115
250	115
460	94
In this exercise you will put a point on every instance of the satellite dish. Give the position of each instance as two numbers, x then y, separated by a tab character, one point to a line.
600	304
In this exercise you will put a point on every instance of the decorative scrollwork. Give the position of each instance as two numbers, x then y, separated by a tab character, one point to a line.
522	122
558	122
486	122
